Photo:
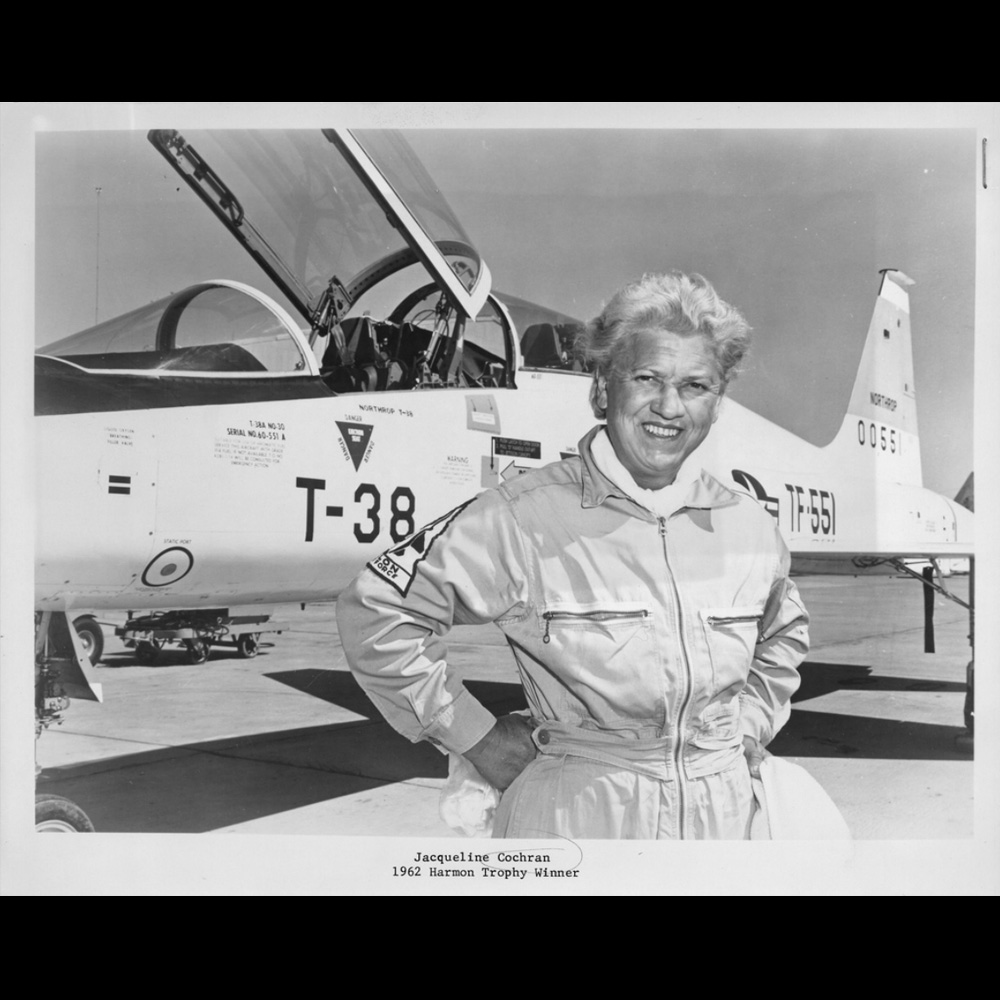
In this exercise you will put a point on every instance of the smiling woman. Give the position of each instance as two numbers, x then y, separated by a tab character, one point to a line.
683	304
648	607
663	350
661	401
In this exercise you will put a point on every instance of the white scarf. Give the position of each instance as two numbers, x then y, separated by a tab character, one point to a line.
662	502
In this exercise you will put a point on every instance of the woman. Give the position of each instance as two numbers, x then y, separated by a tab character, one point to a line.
647	605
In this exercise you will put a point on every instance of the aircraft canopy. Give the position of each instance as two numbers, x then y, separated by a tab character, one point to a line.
216	326
329	212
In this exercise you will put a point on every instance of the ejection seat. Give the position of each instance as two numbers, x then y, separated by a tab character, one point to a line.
370	356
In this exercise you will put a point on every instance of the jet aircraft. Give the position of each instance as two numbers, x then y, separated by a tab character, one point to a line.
228	456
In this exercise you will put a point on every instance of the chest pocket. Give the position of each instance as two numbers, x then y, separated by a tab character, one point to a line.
607	621
732	635
606	664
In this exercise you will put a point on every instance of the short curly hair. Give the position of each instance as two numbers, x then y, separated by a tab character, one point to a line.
674	302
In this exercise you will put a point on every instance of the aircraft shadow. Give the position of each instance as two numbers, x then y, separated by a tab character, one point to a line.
827	734
340	688
210	785
822	678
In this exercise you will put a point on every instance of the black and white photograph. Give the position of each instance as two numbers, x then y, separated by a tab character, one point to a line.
482	499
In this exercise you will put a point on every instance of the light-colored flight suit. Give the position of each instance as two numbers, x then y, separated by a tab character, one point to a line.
647	646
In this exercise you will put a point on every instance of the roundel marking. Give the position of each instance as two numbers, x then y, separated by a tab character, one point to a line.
169	566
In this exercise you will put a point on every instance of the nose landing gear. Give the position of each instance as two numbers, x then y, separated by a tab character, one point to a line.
63	670
54	814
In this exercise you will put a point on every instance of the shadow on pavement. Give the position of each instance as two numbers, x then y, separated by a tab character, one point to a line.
206	786
826	734
340	688
819	679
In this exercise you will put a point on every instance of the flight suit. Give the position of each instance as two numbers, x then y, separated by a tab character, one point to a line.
647	647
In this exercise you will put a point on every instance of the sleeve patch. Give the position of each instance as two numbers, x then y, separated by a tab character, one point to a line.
398	565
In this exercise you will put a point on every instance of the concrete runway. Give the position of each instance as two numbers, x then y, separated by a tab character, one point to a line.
286	743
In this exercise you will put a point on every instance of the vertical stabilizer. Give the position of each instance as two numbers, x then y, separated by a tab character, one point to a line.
966	495
882	414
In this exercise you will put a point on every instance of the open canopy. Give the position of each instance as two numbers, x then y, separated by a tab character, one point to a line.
329	213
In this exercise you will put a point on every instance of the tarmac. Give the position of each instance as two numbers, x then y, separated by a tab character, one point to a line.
287	743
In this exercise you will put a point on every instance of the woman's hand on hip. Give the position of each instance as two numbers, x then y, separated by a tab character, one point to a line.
755	754
505	751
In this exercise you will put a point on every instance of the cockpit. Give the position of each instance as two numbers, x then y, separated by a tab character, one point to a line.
212	328
389	292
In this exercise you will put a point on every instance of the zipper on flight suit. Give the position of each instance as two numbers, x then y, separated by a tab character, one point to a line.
724	621
685	700
594	616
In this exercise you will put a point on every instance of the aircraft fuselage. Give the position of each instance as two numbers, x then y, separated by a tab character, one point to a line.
284	500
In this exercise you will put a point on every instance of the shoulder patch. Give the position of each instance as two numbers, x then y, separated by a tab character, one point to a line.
398	565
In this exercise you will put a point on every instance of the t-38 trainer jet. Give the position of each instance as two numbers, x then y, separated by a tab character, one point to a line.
212	454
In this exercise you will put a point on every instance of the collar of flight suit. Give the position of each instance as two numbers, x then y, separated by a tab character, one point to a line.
705	492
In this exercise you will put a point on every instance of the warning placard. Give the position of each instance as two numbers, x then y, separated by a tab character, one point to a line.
517	448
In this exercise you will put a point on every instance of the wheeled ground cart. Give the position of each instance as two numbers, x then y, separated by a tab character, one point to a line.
197	631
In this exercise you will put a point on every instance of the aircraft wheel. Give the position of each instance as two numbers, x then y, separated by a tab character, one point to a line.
54	814
197	650
146	651
248	644
91	637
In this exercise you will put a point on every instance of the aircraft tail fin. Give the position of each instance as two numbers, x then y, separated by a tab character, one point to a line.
966	495
882	415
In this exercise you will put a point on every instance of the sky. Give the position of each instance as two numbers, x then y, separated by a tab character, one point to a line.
790	225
